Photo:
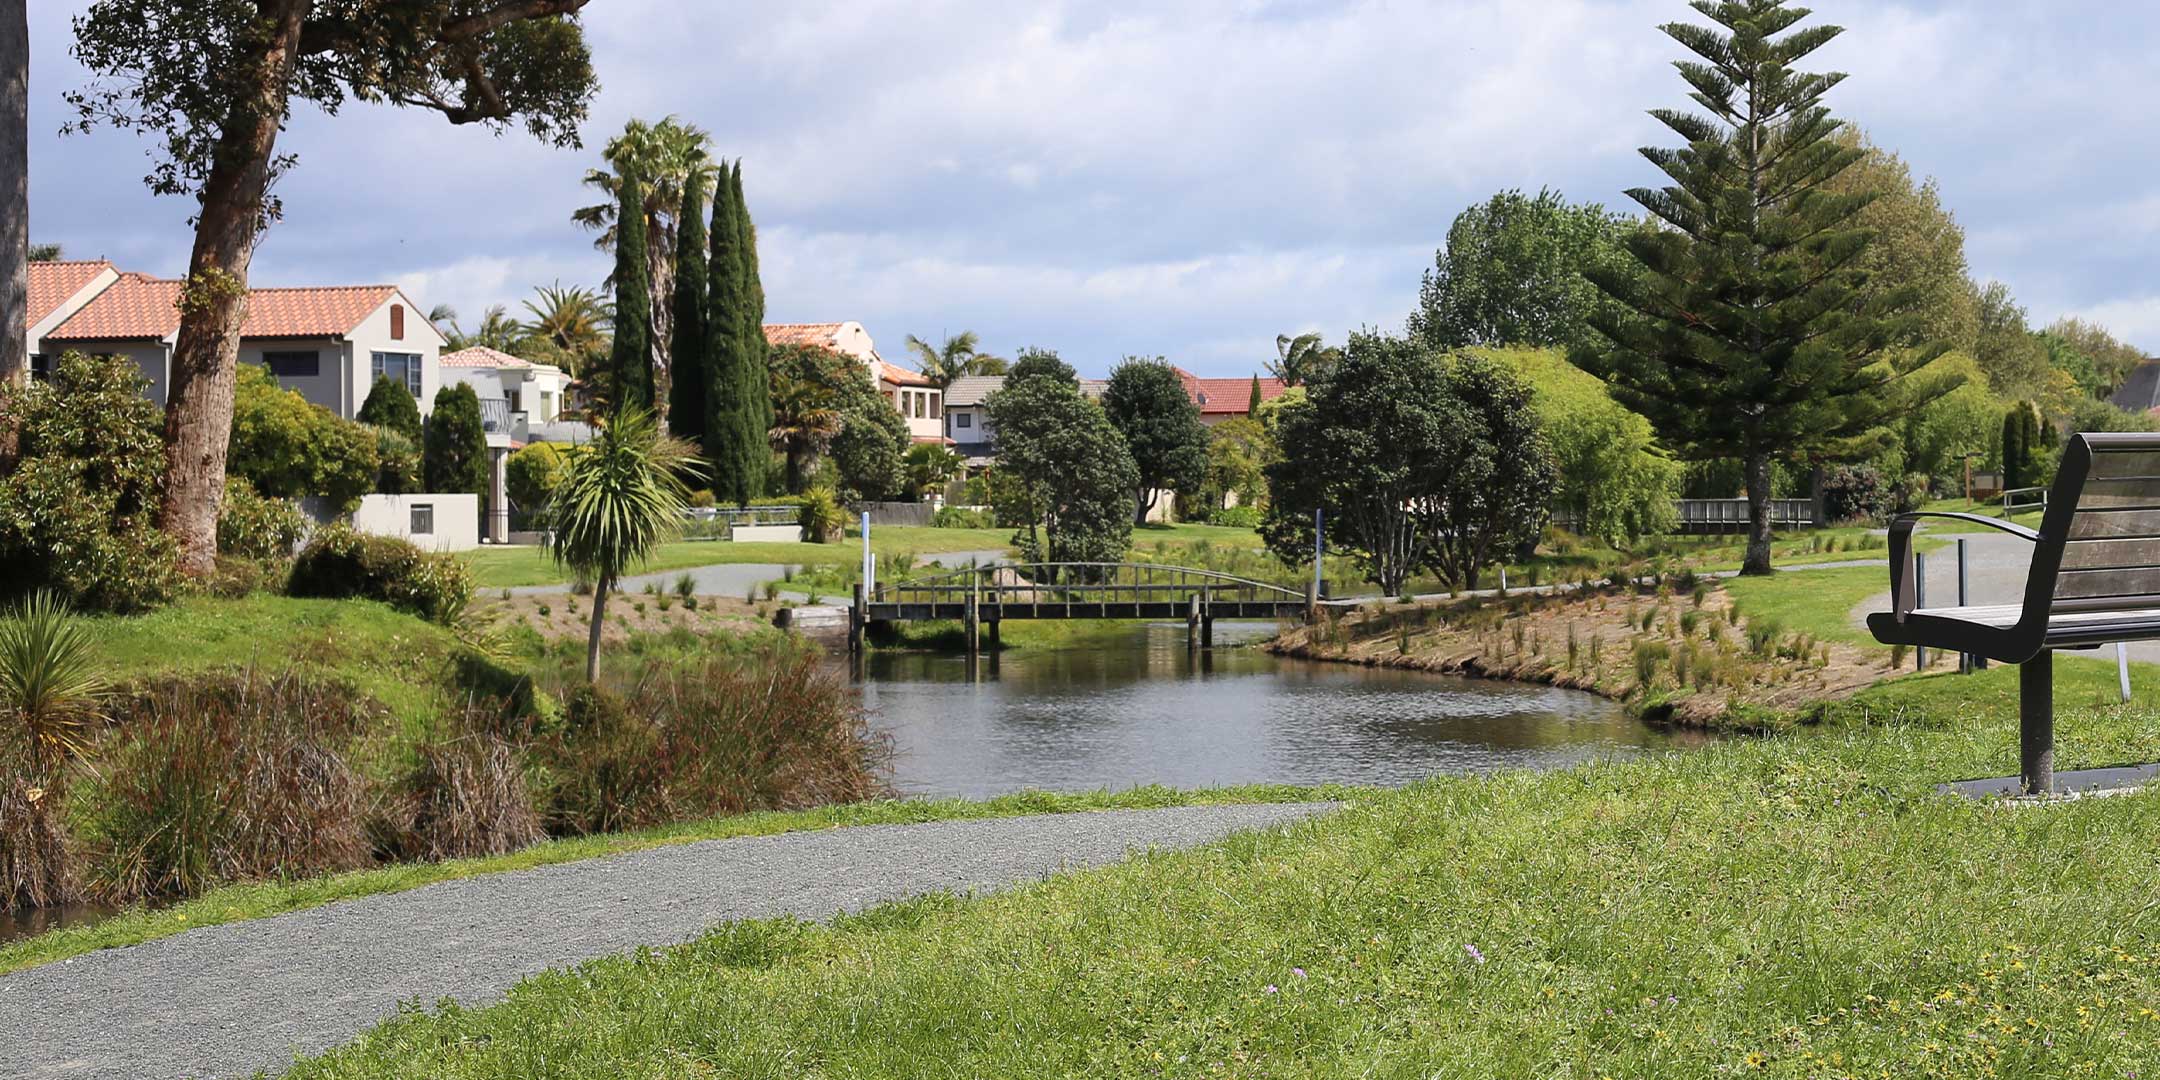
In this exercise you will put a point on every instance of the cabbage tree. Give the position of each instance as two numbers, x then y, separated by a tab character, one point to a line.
622	495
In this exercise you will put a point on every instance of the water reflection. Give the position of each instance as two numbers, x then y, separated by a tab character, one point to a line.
1147	711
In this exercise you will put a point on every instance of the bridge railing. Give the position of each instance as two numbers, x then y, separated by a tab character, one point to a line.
1079	582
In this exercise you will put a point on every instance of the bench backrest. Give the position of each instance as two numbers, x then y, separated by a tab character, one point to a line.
2099	547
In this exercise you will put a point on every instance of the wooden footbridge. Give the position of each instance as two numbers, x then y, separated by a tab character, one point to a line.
984	596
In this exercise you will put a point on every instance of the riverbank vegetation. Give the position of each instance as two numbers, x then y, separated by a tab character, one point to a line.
1793	906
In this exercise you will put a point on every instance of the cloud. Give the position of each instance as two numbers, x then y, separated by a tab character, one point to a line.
1114	176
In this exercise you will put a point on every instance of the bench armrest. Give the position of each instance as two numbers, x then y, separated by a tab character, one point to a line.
1902	575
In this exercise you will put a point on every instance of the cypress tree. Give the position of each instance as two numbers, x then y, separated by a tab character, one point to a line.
724	425
754	380
390	405
1252	407
455	459
1749	329
631	361
687	375
2013	450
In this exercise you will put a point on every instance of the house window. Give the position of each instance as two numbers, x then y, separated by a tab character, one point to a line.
937	405
40	366
963	420
517	401
547	407
423	519
400	366
293	365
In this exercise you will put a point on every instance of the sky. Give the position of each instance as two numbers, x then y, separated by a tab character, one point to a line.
1133	177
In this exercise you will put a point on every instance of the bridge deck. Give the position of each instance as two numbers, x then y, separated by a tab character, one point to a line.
992	610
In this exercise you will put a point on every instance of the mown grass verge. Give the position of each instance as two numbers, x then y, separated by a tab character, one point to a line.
237	903
1795	906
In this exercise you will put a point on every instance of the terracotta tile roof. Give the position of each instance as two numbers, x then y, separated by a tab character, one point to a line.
900	376
138	306
1226	397
52	283
480	356
821	333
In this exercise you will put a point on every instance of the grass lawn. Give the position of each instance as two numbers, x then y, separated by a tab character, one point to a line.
1815	602
505	567
1794	906
256	900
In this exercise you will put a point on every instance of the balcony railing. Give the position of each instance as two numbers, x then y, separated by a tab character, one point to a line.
498	418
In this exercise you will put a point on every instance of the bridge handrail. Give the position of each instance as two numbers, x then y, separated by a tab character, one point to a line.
968	581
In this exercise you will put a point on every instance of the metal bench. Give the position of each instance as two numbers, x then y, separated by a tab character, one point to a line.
2094	579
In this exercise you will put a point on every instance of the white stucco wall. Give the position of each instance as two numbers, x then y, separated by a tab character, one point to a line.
373	336
976	433
150	356
457	519
327	387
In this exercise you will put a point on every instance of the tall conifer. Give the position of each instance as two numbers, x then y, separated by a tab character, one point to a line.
630	364
724	360
754	385
1749	330
686	373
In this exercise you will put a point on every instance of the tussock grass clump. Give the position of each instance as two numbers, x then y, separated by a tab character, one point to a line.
464	798
37	867
227	777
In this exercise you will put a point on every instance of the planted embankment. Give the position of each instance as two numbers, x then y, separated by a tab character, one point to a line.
1798	905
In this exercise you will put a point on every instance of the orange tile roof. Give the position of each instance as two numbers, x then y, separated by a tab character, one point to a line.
138	306
821	333
1226	397
480	356
52	283
900	376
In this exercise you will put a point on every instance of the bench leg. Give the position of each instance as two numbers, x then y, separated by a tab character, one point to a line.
2036	723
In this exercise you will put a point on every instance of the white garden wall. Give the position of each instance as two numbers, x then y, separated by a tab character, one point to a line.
451	522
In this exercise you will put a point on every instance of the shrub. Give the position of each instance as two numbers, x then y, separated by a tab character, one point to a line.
958	517
1856	493
340	562
289	447
77	512
821	516
390	406
1236	517
455	455
397	463
229	777
464	798
532	474
253	527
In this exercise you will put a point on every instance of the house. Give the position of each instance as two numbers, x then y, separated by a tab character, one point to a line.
526	400
967	422
329	343
915	396
1226	399
2140	391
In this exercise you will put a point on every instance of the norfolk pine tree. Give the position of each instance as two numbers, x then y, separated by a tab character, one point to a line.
1748	329
686	358
630	365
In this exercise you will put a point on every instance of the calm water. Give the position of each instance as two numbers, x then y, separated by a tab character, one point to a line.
1147	712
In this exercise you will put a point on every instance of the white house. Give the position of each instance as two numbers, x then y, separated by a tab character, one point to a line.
517	396
328	343
915	396
967	422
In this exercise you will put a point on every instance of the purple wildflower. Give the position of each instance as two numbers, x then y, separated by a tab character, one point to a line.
1475	955
1268	989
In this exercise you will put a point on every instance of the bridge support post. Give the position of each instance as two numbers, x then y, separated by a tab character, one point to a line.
1207	620
1312	601
1192	622
855	620
995	642
2036	723
973	628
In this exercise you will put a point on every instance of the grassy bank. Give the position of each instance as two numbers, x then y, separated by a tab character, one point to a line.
1794	906
256	900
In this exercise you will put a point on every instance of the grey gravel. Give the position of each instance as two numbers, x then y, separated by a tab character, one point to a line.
225	1001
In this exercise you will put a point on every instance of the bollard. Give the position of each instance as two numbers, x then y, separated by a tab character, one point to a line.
1965	660
1919	585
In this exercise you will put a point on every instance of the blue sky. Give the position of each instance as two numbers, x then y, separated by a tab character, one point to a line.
1188	179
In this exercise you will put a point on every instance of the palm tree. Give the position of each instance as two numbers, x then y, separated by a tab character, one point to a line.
572	323
1301	359
498	331
930	465
667	158
955	359
622	495
806	406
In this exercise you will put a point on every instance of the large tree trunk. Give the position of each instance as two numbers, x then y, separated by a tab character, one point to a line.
1142	504
1758	513
14	191
199	401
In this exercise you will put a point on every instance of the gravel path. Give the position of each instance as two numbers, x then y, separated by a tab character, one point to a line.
223	1001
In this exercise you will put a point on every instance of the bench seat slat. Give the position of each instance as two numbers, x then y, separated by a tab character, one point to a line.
2125	464
2103	583
2108	524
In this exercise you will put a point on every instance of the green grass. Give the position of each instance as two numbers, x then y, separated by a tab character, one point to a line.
1793	906
256	900
1818	603
506	567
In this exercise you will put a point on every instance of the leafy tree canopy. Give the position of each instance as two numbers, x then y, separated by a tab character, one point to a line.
1147	402
1616	483
455	457
390	405
1069	473
1512	273
289	447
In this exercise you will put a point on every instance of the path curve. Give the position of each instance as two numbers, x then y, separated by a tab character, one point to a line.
223	1001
